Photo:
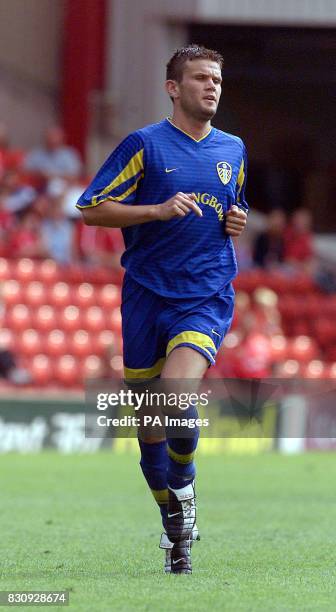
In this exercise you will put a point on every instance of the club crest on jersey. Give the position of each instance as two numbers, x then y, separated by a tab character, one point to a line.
224	172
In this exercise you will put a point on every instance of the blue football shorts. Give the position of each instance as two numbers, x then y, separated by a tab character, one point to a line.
153	326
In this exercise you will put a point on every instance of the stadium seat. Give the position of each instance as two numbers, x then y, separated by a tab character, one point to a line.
11	292
102	341
6	269
41	369
314	369
29	343
331	370
68	371
7	339
44	318
18	318
70	318
117	366
80	344
47	271
85	295
35	294
60	294
75	273
94	319
303	349
113	320
56	343
93	366
290	368
109	296
279	348
25	270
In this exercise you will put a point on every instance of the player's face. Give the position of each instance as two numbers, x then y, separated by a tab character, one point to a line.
199	91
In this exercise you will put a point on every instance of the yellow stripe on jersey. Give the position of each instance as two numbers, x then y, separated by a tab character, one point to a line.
192	337
240	179
134	166
124	195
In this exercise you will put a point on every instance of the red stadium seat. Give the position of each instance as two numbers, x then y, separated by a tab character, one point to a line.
56	343
41	369
102	341
18	317
324	331
25	270
84	295
109	296
35	294
93	366
7	339
331	371
30	343
45	318
11	292
60	294
117	366
6	269
94	319
279	348
48	272
314	369
303	349
80	343
287	369
68	371
113	320
70	318
75	273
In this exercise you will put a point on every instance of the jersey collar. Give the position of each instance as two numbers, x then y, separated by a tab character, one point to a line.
169	121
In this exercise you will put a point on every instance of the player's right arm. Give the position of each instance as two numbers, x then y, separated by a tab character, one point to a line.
113	214
111	199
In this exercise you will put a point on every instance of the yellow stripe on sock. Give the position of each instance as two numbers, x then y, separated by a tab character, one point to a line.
161	496
180	458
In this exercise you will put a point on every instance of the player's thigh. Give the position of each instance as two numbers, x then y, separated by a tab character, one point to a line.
185	362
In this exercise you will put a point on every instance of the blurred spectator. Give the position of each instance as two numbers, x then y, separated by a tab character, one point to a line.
268	248
299	239
98	245
58	233
54	158
10	159
7	222
68	190
25	239
16	196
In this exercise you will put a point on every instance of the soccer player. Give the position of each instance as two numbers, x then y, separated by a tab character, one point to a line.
177	190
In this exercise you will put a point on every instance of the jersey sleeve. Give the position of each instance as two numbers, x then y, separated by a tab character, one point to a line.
241	184
119	176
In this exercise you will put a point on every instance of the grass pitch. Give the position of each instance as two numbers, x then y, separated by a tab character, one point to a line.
88	524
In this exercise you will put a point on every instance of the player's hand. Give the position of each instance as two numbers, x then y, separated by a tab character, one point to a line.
235	221
179	205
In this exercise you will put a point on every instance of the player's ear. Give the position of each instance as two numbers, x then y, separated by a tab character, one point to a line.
172	89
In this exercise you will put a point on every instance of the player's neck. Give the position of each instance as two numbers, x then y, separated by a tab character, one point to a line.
193	127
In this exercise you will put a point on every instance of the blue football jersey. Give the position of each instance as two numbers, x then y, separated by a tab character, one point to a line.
186	256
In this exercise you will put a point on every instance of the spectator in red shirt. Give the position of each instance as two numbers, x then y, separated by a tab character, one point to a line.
10	159
298	249
25	239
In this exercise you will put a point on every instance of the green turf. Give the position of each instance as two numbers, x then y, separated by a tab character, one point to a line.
88	524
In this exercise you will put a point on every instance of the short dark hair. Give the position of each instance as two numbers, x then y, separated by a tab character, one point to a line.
191	52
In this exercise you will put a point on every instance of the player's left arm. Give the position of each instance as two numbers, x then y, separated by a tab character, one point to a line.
236	216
